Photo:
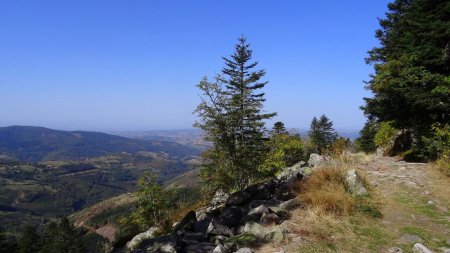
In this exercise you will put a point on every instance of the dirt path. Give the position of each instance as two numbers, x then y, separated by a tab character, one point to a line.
415	203
415	200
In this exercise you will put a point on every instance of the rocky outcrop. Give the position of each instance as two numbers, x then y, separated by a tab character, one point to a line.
233	221
354	183
138	239
316	160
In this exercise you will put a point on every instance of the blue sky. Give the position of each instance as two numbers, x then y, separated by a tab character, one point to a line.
133	65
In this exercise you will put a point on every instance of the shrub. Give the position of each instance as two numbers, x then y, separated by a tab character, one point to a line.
385	136
285	150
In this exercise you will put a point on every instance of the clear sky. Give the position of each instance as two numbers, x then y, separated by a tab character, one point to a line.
133	65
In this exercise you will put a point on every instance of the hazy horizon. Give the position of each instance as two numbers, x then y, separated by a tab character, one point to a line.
115	66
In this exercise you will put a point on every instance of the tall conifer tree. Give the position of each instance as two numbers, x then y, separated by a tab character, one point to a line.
232	117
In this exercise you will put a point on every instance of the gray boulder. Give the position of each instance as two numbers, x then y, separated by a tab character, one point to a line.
185	224
354	183
255	229
256	213
231	216
220	197
216	228
269	219
275	235
315	160
420	248
139	238
290	204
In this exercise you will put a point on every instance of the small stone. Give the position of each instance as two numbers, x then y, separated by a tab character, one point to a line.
430	203
408	238
244	250
219	249
420	248
168	248
269	219
395	250
275	235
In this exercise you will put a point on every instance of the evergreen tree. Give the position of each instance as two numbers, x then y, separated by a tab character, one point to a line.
7	245
278	128
154	202
411	84
61	237
50	238
232	118
365	141
68	240
29	241
322	133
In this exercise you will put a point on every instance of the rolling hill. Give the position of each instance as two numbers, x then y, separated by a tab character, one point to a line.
35	144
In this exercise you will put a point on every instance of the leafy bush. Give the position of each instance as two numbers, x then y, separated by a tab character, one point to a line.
385	136
339	146
285	150
441	143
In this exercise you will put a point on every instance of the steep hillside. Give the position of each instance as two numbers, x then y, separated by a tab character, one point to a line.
33	192
33	144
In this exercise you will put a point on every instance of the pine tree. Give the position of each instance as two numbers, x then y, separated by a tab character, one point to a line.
322	133
278	128
68	239
365	141
29	241
411	84
50	238
231	115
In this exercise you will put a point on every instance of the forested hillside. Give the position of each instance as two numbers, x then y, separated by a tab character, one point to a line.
42	144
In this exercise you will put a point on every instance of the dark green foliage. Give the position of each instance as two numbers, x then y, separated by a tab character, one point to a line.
278	128
365	141
411	84
67	239
94	243
8	244
321	134
231	116
29	241
55	189
49	242
153	207
284	150
125	233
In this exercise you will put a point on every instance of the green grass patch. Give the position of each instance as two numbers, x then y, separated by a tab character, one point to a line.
431	239
318	247
373	236
418	205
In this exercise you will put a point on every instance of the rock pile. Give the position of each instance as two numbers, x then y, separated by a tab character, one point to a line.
231	223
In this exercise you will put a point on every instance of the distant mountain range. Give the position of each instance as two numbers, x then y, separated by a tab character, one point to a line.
34	144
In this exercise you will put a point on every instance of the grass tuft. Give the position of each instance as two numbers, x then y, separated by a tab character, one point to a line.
326	189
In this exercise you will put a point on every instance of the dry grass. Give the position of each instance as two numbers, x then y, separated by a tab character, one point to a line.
443	165
326	190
